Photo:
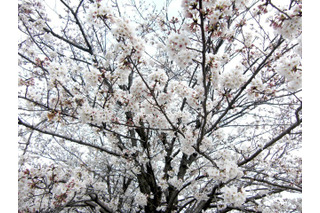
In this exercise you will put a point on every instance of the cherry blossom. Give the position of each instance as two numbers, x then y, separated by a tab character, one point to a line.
125	107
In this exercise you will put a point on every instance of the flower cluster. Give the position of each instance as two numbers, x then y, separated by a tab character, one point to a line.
159	77
290	26
27	12
97	13
128	42
189	7
290	68
234	195
227	168
121	74
177	42
89	114
215	62
193	96
255	88
177	49
57	72
92	77
46	187
232	79
214	17
141	199
128	46
138	90
188	142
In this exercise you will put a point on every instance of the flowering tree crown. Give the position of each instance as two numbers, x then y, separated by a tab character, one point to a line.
124	108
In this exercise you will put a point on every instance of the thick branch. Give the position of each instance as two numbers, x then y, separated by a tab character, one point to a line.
20	122
270	143
67	41
79	24
274	184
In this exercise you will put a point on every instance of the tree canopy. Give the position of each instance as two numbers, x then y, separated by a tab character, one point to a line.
125	107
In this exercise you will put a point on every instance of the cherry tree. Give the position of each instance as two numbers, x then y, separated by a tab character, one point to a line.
125	107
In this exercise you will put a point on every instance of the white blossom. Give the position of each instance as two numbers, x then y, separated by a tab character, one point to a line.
232	79
141	199
234	195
